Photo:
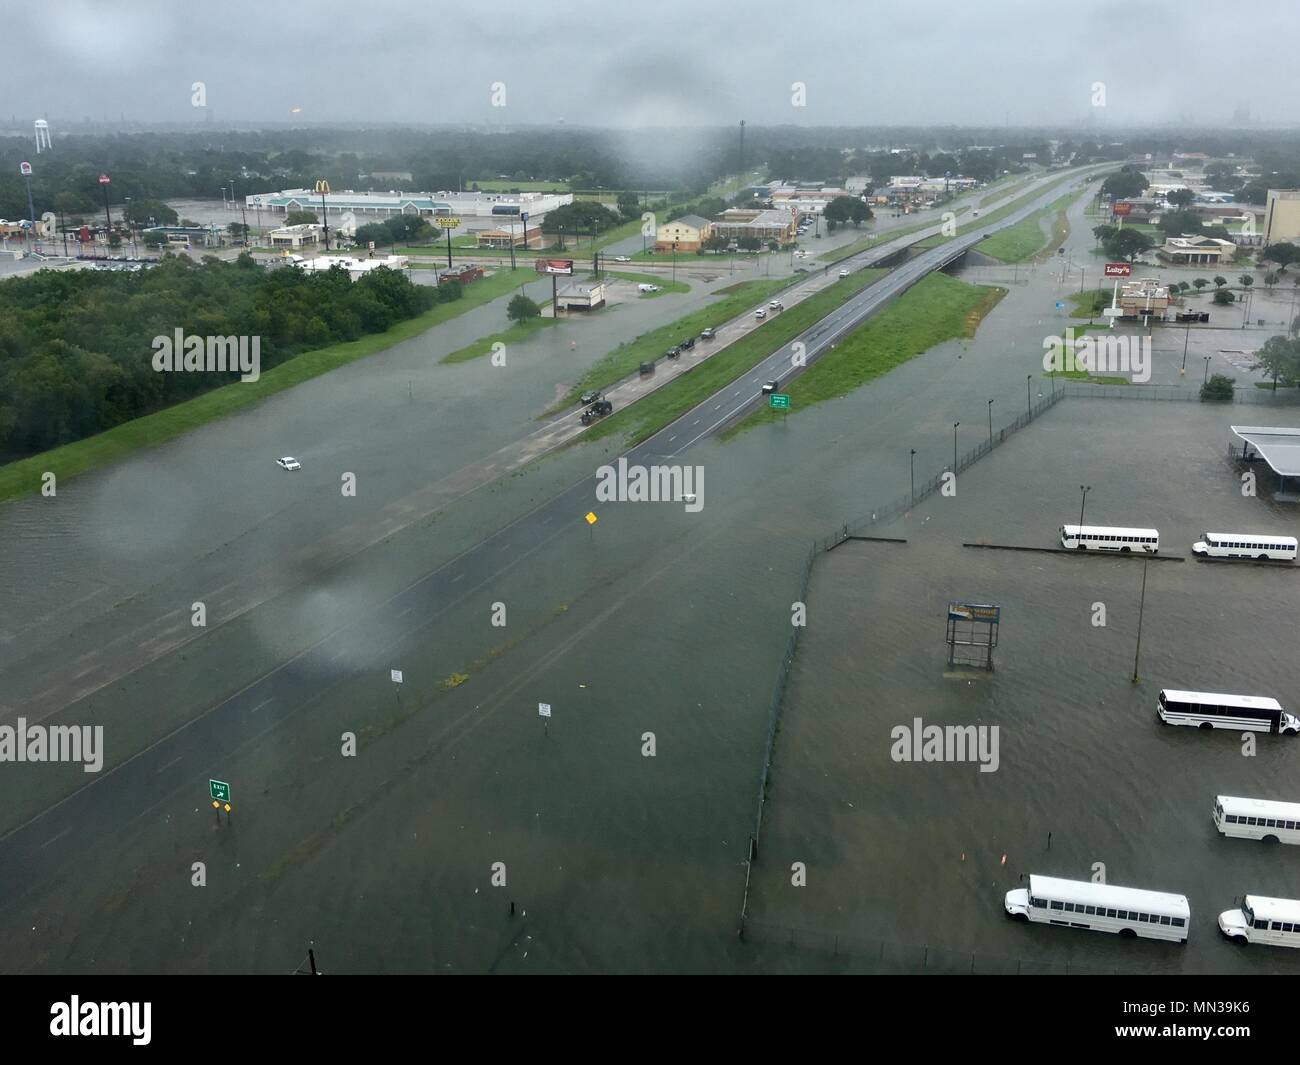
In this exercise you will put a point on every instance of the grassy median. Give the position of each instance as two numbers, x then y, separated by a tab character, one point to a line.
652	412
625	358
935	309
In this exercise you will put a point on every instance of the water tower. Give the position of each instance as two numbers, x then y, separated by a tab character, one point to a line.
43	142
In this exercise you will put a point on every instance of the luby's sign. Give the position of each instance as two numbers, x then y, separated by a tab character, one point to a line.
1118	269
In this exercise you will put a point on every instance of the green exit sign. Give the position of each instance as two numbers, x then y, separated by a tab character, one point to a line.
779	401
220	790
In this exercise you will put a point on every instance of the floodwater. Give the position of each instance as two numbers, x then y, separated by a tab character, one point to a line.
618	827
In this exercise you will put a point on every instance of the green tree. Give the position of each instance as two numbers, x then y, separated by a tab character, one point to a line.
1104	231
1283	254
1200	283
1246	280
298	218
521	308
1126	244
1181	197
1217	388
1271	278
1280	357
1220	281
1126	183
1224	296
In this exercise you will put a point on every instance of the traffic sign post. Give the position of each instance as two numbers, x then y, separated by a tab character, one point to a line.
779	401
544	712
220	792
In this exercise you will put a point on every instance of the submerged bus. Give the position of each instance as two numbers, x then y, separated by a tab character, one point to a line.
1273	822
1245	545
1254	713
1101	908
1110	538
1261	919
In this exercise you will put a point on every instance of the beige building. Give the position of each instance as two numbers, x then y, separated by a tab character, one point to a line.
1282	216
298	236
737	223
1191	250
581	296
688	232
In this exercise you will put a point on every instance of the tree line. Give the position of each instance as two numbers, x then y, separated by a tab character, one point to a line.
76	354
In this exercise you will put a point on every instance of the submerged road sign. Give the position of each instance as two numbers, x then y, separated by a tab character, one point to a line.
219	790
779	401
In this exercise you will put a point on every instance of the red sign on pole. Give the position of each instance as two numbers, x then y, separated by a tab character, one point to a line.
554	266
1121	209
1118	269
104	179
25	169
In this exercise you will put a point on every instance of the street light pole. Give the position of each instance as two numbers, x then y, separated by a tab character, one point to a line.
1186	337
674	262
990	425
1206	377
1084	489
1029	406
954	446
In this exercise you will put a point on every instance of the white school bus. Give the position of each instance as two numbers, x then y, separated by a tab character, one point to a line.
1260	919
1101	908
1272	822
1246	545
1110	538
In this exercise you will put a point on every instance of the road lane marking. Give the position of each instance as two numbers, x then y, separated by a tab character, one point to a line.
259	706
58	837
172	762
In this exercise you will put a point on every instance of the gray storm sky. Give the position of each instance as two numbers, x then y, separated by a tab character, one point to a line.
658	63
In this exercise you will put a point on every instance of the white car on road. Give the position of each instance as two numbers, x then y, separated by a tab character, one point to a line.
622	258
760	313
288	463
844	273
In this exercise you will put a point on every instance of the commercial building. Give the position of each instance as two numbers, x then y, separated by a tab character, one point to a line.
464	274
688	232
355	267
368	206
1282	216
1143	297
581	296
502	238
803	200
738	223
1192	250
302	235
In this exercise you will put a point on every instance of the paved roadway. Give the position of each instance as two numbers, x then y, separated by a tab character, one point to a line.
130	796
123	651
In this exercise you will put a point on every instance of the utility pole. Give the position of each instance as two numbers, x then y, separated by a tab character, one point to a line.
990	425
1142	603
1084	489
913	475
954	446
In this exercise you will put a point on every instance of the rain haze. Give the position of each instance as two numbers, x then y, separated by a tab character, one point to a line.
674	64
666	488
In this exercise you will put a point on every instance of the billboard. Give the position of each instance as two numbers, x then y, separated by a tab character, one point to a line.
25	169
555	266
986	612
1118	270
1121	209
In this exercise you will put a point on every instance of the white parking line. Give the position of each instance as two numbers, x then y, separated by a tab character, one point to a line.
259	706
